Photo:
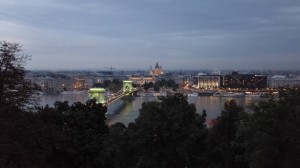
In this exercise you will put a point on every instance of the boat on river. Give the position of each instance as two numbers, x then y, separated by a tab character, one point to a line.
194	94
207	93
229	94
253	94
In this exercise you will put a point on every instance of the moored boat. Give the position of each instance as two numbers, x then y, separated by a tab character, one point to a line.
192	94
253	94
229	94
206	93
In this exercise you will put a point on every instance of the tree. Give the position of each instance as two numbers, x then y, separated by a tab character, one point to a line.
167	84
83	129
115	85
271	135
224	151
168	134
17	146
118	146
147	86
156	88
15	90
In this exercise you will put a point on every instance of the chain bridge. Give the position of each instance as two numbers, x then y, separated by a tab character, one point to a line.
98	93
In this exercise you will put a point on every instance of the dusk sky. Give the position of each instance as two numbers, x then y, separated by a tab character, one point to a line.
134	34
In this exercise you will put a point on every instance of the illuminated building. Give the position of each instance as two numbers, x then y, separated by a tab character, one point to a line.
153	73
158	71
58	85
203	81
243	81
279	81
140	80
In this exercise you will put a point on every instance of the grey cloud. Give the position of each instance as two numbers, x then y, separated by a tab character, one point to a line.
192	33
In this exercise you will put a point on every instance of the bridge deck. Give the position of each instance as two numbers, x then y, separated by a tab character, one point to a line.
118	95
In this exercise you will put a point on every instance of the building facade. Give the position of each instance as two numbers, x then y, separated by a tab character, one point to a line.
243	81
141	80
202	81
278	81
206	81
58	85
157	71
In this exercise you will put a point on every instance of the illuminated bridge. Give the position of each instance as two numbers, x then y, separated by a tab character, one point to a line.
98	93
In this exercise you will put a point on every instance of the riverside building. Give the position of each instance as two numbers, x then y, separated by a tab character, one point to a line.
280	81
203	81
243	81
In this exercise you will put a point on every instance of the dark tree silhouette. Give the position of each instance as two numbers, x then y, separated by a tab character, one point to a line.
16	127
82	129
224	151
271	136
167	134
15	90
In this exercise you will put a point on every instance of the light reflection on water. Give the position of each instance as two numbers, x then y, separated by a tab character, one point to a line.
125	110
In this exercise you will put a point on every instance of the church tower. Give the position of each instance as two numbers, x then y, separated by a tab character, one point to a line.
151	71
158	70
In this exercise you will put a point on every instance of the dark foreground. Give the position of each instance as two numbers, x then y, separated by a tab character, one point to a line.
166	134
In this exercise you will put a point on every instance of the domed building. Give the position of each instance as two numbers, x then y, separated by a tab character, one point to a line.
158	71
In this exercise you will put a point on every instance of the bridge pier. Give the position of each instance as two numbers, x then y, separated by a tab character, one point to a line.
98	94
127	86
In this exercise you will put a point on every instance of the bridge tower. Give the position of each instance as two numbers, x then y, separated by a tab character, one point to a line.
98	94
127	86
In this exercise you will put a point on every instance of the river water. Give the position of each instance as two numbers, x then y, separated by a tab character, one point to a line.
126	109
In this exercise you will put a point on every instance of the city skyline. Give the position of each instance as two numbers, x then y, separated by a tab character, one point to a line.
234	34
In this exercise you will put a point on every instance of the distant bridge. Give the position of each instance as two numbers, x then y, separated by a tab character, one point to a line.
98	93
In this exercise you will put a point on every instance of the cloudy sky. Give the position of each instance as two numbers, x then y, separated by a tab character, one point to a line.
134	34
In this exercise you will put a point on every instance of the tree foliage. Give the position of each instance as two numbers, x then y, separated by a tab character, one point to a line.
82	129
166	84
161	84
17	140
147	86
115	85
63	136
15	90
271	136
225	151
166	134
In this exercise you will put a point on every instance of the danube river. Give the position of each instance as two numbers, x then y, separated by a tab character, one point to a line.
126	109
